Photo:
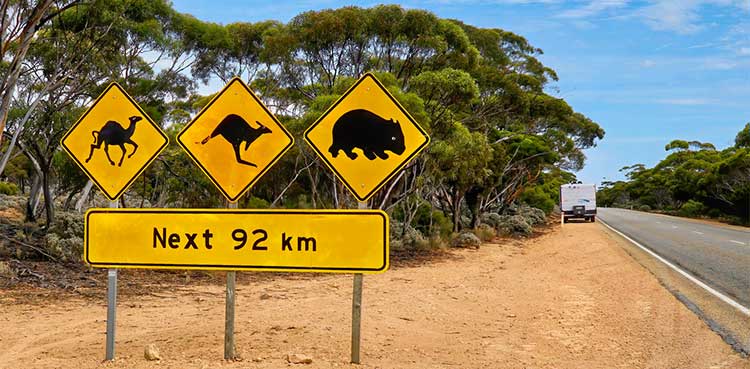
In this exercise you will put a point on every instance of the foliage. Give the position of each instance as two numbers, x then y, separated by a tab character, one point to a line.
692	209
8	189
64	241
498	138
694	179
485	232
514	225
466	240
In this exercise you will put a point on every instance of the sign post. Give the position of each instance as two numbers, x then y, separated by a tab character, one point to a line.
114	119
357	306
234	148
111	305
368	119
229	353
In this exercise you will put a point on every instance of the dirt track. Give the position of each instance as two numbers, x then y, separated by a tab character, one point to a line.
571	298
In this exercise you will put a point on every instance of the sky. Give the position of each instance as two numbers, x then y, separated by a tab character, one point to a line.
648	71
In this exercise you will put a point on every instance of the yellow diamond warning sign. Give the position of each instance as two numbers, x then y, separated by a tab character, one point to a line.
235	139
366	137
114	141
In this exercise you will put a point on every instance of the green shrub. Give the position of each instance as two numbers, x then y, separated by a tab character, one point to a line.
692	208
64	240
257	203
714	213
644	207
485	232
537	197
466	239
409	239
533	216
492	219
427	220
515	225
7	188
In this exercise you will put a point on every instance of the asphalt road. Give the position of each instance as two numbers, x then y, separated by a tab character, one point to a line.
718	255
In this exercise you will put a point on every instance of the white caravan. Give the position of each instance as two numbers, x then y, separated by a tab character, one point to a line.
578	201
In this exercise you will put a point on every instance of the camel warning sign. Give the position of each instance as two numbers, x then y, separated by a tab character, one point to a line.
114	141
263	240
366	137
235	139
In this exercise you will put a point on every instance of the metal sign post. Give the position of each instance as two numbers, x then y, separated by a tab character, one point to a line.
229	353
111	305
357	306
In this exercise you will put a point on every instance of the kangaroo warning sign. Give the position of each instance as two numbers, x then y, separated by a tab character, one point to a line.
337	241
114	141
235	139
366	137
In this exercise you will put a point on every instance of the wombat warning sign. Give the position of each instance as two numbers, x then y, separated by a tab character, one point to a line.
375	134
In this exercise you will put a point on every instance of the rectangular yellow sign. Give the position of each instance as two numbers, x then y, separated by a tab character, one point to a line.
335	241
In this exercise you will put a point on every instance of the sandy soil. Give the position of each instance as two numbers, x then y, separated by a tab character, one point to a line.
571	298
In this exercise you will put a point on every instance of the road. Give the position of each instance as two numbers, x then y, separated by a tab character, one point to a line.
717	255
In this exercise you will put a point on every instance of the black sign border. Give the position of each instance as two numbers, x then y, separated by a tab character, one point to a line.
140	171
394	171
382	268
262	172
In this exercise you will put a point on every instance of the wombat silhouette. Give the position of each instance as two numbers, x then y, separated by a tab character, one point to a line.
236	130
369	132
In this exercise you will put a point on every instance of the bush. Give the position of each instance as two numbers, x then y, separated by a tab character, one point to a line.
537	197
256	203
515	225
533	216
9	189
64	240
412	239
485	232
492	219
644	208
466	239
427	220
691	209
714	213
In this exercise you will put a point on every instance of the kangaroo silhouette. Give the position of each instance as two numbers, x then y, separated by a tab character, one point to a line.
113	134
236	130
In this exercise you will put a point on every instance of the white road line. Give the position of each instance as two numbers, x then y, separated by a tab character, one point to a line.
658	222
737	242
674	227
685	274
696	232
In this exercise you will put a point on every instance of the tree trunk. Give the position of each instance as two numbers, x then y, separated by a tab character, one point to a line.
33	201
14	70
456	206
84	195
19	129
472	201
49	205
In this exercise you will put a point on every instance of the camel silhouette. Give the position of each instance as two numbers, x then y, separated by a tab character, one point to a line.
236	130
113	134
